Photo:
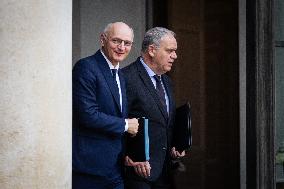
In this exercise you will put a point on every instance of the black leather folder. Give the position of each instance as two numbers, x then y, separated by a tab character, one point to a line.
182	136
137	148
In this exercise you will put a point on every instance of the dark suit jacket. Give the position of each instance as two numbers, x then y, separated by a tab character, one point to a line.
143	101
98	123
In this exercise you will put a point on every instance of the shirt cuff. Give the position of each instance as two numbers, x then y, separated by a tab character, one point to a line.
126	125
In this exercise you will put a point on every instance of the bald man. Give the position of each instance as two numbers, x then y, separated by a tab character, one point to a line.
99	112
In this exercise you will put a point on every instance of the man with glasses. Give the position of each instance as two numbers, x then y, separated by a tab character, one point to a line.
99	112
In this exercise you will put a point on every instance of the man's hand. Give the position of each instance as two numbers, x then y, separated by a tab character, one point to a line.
132	126
141	168
176	154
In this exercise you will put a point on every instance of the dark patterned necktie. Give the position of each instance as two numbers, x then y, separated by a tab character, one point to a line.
160	91
114	72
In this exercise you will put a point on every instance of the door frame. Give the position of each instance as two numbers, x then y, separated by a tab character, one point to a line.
257	92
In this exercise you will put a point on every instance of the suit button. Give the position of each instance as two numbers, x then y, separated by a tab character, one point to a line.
164	148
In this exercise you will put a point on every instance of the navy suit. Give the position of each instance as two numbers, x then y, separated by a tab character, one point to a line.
143	101
98	123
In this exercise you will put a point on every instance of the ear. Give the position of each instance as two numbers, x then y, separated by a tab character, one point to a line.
102	39
151	50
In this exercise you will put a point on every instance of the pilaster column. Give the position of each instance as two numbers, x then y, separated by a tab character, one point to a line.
35	94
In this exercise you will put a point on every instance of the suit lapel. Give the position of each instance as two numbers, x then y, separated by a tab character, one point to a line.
108	77
151	88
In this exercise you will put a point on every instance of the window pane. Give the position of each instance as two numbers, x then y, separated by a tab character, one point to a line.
279	89
279	30
279	71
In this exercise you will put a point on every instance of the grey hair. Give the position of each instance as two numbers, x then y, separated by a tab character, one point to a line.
154	36
108	27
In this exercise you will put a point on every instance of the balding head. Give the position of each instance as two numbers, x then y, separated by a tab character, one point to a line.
116	41
112	26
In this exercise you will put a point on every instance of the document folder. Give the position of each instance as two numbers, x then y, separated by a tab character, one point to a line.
182	136
137	148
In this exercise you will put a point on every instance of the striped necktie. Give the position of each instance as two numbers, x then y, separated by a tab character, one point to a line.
160	91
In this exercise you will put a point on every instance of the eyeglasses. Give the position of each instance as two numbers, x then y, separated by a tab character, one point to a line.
118	41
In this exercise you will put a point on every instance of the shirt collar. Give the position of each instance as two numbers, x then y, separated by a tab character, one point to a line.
148	69
108	62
